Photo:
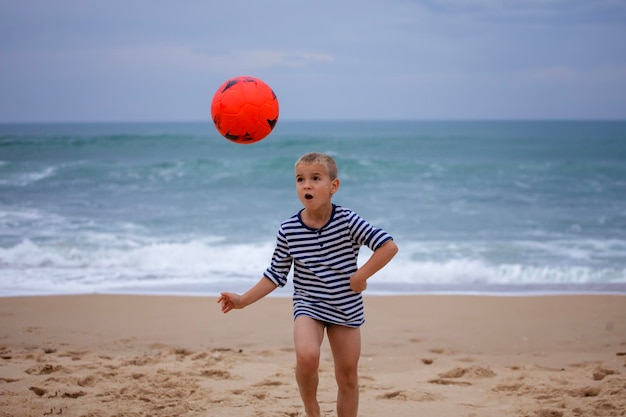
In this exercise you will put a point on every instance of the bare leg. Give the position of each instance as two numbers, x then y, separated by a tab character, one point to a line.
308	335
345	343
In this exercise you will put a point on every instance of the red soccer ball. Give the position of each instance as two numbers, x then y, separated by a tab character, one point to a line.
244	110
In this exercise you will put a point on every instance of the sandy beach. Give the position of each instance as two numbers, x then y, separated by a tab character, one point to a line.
431	355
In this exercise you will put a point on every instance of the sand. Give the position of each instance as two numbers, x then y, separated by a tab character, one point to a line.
431	355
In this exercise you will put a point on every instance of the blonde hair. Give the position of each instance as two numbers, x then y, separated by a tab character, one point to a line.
320	158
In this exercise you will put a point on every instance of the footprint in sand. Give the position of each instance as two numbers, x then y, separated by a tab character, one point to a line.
451	377
442	381
269	383
38	391
74	355
472	372
585	392
600	373
5	353
549	413
46	370
411	396
88	381
215	374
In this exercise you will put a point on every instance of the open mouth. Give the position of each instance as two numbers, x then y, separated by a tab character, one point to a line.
308	196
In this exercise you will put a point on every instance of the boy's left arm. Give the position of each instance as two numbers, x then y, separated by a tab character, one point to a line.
380	258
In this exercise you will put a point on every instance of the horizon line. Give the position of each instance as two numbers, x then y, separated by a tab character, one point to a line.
320	120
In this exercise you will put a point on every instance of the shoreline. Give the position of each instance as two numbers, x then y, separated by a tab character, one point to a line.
107	355
374	290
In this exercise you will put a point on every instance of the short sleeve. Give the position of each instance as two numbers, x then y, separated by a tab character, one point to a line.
363	233
280	266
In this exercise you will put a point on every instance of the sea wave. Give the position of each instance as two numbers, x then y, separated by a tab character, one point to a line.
176	208
22	179
207	267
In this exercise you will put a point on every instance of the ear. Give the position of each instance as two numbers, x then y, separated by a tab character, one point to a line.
334	185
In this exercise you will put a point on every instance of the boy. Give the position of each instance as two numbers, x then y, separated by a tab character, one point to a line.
322	241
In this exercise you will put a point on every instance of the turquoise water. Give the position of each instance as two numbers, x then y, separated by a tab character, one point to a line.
475	207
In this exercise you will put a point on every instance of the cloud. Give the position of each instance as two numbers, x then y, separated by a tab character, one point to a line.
88	60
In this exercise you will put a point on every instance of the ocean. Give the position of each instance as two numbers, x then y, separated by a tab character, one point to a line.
494	207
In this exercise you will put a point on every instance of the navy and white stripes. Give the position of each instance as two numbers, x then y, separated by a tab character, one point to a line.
324	259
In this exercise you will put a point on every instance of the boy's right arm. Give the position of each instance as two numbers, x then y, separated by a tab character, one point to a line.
230	301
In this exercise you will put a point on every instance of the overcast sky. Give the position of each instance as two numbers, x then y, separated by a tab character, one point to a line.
140	60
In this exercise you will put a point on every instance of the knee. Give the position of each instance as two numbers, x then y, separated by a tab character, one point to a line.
347	377
307	362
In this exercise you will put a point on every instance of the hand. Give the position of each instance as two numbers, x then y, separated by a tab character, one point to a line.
357	284
229	301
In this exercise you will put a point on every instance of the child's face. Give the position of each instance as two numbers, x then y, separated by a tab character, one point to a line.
314	186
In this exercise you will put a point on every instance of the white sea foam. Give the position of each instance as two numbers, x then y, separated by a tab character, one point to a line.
23	214
162	208
26	178
208	266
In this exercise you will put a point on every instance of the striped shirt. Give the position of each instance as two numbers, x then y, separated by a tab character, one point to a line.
324	260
